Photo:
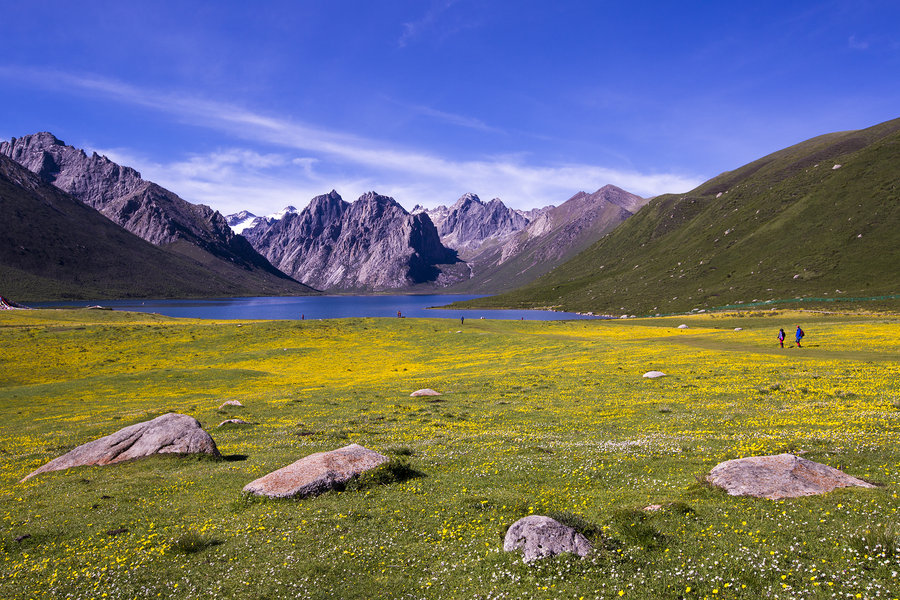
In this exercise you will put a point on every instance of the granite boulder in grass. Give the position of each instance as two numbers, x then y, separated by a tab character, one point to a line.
779	476
317	473
171	433
539	536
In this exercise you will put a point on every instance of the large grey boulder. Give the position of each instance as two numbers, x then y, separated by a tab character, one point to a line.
316	473
779	476
540	536
171	433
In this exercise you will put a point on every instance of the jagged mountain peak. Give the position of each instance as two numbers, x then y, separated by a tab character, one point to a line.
371	244
466	199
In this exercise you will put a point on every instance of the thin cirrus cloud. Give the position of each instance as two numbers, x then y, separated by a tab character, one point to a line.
331	159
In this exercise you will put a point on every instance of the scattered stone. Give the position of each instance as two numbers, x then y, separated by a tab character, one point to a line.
231	403
738	328
115	532
424	392
836	167
171	433
23	537
654	374
653	508
540	536
316	473
233	422
779	476
683	326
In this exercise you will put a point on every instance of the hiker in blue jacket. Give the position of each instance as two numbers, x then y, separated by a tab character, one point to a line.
799	335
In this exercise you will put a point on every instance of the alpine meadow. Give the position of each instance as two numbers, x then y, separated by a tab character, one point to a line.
534	418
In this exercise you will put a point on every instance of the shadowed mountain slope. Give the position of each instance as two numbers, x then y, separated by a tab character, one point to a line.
149	211
52	246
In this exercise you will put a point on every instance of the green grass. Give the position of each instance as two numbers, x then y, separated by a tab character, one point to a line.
535	418
786	228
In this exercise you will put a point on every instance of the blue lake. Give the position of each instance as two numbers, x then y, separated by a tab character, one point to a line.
316	307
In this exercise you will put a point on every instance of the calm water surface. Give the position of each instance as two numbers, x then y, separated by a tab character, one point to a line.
316	307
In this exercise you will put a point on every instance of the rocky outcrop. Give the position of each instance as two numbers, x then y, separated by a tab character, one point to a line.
779	476
316	473
373	244
171	433
469	223
539	537
142	207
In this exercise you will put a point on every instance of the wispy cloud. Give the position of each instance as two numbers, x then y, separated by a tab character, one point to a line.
313	160
449	118
418	27
856	44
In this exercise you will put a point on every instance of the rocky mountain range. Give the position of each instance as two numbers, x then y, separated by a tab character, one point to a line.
472	246
373	244
146	209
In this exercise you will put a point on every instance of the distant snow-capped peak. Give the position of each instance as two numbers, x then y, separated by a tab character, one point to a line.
244	219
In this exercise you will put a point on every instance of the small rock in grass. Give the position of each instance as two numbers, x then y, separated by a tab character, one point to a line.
683	326
738	328
540	536
653	508
316	473
230	403
654	374
779	476
234	422
424	392
171	433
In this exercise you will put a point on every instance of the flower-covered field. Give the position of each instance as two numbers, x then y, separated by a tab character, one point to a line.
547	418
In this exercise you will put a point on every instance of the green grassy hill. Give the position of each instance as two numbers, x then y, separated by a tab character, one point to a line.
54	247
820	219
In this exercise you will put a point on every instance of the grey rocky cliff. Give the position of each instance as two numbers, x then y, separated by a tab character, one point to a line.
373	244
142	207
470	222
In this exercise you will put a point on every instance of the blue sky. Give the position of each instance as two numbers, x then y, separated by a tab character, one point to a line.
259	105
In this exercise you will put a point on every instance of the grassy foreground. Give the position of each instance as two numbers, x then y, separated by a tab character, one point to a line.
536	417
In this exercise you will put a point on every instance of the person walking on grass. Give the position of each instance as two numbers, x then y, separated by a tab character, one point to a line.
799	335
781	337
